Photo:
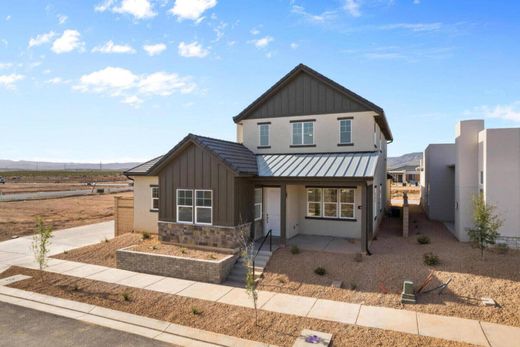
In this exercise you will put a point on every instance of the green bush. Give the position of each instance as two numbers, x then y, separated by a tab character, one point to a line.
146	235
320	271
295	249
431	259
423	240
196	311
126	296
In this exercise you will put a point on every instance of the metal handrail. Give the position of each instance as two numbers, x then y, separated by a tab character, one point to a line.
270	234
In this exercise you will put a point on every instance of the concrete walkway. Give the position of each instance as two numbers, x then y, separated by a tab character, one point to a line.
17	252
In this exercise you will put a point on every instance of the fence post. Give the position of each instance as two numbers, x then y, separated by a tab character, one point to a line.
406	217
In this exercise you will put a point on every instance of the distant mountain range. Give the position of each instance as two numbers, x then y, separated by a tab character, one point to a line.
405	159
41	165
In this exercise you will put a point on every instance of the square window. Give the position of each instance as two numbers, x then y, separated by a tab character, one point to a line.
347	210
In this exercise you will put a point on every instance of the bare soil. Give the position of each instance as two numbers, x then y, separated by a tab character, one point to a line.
155	246
378	279
273	328
396	192
17	218
104	253
14	188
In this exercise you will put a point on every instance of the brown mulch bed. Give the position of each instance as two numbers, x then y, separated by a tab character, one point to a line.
18	218
378	279
155	246
272	327
103	253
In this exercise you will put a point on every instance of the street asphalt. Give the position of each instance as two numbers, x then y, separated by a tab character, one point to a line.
23	327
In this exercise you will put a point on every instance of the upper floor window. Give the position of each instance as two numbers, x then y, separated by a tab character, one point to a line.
154	190
263	131
345	131
302	133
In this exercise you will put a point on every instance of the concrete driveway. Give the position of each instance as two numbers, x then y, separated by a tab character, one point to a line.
19	251
44	329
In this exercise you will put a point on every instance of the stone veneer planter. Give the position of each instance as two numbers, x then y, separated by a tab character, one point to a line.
213	271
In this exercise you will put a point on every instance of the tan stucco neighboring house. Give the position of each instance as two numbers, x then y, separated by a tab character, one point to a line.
310	158
481	161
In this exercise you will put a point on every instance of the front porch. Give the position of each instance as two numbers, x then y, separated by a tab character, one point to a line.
328	244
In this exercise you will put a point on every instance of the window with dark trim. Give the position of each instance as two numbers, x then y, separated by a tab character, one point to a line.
332	203
154	193
263	135
345	131
302	133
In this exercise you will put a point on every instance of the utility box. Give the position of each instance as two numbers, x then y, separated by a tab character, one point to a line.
408	294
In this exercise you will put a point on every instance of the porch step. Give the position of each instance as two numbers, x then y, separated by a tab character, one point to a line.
237	275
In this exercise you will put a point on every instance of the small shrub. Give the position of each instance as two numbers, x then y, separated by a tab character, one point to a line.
146	235
75	288
353	286
320	271
183	250
106	240
431	259
154	247
65	252
358	257
423	240
211	256
281	280
196	311
126	296
295	249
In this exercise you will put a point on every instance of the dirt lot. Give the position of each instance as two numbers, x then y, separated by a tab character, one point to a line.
105	253
274	328
396	192
13	188
18	217
378	279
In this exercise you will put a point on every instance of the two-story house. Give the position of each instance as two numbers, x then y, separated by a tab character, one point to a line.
310	158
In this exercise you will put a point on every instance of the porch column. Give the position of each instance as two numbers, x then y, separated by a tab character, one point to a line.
283	213
364	217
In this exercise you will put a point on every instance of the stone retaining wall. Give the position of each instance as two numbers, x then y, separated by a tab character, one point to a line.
213	271
203	235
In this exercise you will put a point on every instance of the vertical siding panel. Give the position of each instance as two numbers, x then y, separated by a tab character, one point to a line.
314	97
230	192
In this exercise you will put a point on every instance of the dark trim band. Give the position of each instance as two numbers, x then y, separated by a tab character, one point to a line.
263	147
341	118
296	146
334	219
345	144
302	120
260	123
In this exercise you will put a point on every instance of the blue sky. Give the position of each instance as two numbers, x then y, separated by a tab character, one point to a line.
125	80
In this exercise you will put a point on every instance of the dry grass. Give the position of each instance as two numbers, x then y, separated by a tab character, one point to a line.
273	328
378	279
18	217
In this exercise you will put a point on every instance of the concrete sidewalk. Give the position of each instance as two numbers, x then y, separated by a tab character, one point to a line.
18	252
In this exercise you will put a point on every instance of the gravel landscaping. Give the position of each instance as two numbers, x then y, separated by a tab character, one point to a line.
272	327
156	247
378	279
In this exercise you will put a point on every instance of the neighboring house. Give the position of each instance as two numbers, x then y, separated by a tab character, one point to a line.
310	158
407	174
481	161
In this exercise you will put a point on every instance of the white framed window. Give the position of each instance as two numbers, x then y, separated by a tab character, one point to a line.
184	206
314	202
302	133
154	195
330	203
374	202
203	207
263	135
258	203
347	203
345	131
336	203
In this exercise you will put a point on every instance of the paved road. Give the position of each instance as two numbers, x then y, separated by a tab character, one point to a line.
60	194
20	326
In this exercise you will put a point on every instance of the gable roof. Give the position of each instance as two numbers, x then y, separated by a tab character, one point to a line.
142	169
234	155
301	68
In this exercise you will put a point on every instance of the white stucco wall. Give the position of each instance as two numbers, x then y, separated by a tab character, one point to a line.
144	219
500	162
326	132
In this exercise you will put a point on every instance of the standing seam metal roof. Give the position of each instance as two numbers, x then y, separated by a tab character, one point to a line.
354	164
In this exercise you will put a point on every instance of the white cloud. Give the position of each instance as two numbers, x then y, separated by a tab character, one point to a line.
5	65
352	7
507	112
313	18
418	27
62	18
154	49
104	6
294	45
192	9
140	9
164	84
57	80
8	18
254	31
416	2
67	42
191	50
123	83
8	81
111	47
262	42
41	39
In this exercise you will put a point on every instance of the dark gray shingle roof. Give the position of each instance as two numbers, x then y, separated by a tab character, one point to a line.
142	169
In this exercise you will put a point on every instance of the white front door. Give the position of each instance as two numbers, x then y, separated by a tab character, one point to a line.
272	211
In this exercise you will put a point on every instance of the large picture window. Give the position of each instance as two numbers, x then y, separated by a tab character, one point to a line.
345	131
154	193
258	203
203	206
184	206
336	203
302	133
